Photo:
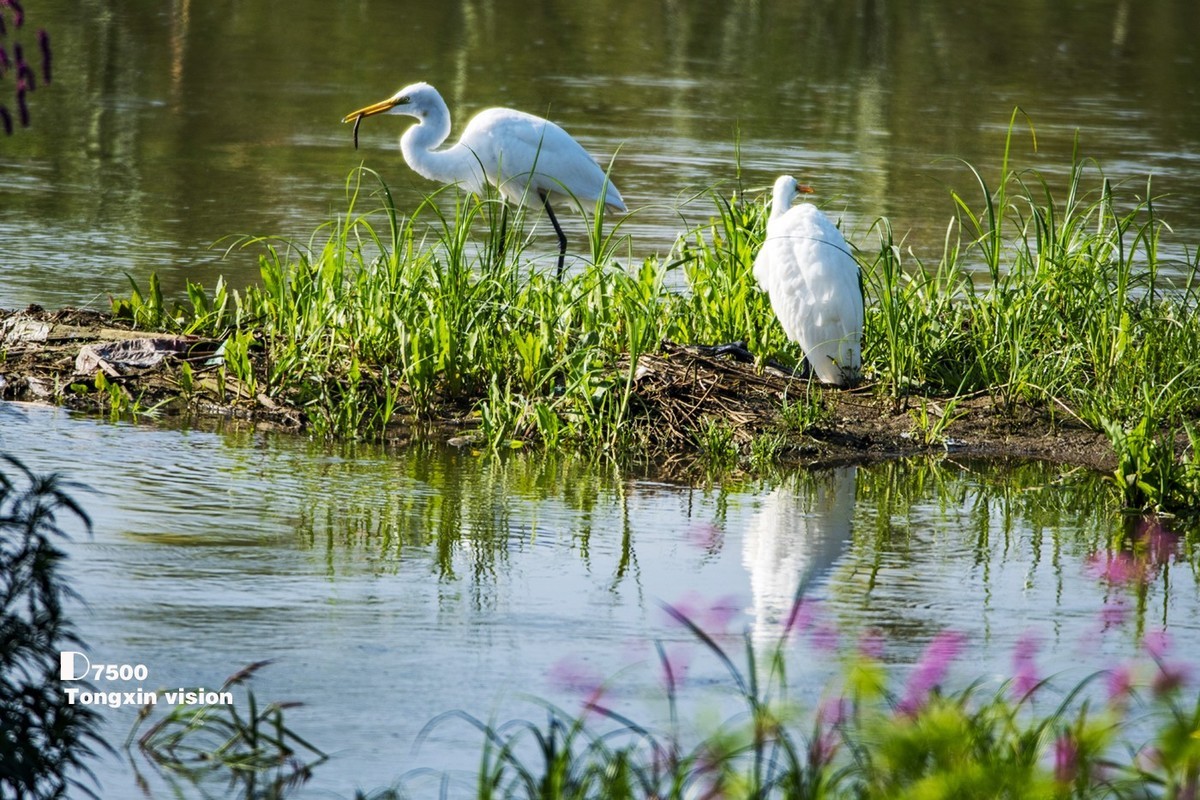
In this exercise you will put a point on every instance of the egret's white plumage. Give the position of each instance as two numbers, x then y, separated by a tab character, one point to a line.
528	159
806	268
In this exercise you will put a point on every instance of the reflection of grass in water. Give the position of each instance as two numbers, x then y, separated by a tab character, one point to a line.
395	319
254	750
469	514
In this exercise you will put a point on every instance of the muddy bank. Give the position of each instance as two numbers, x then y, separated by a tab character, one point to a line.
88	361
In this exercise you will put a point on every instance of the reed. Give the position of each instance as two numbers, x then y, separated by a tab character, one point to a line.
1123	731
1057	302
255	750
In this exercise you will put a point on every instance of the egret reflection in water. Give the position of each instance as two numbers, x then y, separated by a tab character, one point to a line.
801	530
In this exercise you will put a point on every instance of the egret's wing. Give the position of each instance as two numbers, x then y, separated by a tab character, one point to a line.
523	154
806	267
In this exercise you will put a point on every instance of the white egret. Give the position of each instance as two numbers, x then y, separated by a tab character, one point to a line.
527	158
806	268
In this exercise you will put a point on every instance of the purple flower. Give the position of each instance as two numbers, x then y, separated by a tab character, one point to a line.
934	664
833	711
1066	758
1025	673
18	12
822	748
1119	683
824	637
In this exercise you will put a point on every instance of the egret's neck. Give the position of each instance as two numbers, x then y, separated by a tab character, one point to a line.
781	201
454	164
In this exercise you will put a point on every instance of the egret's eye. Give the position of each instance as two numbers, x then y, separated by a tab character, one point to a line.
402	101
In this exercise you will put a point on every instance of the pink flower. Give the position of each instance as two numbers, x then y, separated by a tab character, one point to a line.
1025	672
1119	683
1066	758
934	664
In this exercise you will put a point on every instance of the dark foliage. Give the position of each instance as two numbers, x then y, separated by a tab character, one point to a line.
44	740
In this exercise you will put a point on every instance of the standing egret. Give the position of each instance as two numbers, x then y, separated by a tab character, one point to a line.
527	158
806	268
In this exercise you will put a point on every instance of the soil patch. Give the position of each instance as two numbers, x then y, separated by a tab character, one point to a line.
88	361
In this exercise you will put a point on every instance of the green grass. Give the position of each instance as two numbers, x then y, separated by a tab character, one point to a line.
1125	731
1050	299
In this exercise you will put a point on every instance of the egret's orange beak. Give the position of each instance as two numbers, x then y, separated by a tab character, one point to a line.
371	110
802	188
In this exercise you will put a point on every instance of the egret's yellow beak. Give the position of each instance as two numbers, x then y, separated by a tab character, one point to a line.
802	188
375	108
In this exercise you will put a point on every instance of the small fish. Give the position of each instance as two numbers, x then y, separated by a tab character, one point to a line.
6	118
357	122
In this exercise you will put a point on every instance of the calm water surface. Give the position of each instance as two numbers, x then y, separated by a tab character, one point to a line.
170	126
391	587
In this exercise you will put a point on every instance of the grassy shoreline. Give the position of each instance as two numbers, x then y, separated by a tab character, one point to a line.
387	324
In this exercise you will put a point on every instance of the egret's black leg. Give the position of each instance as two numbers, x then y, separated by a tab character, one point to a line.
502	247
562	237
